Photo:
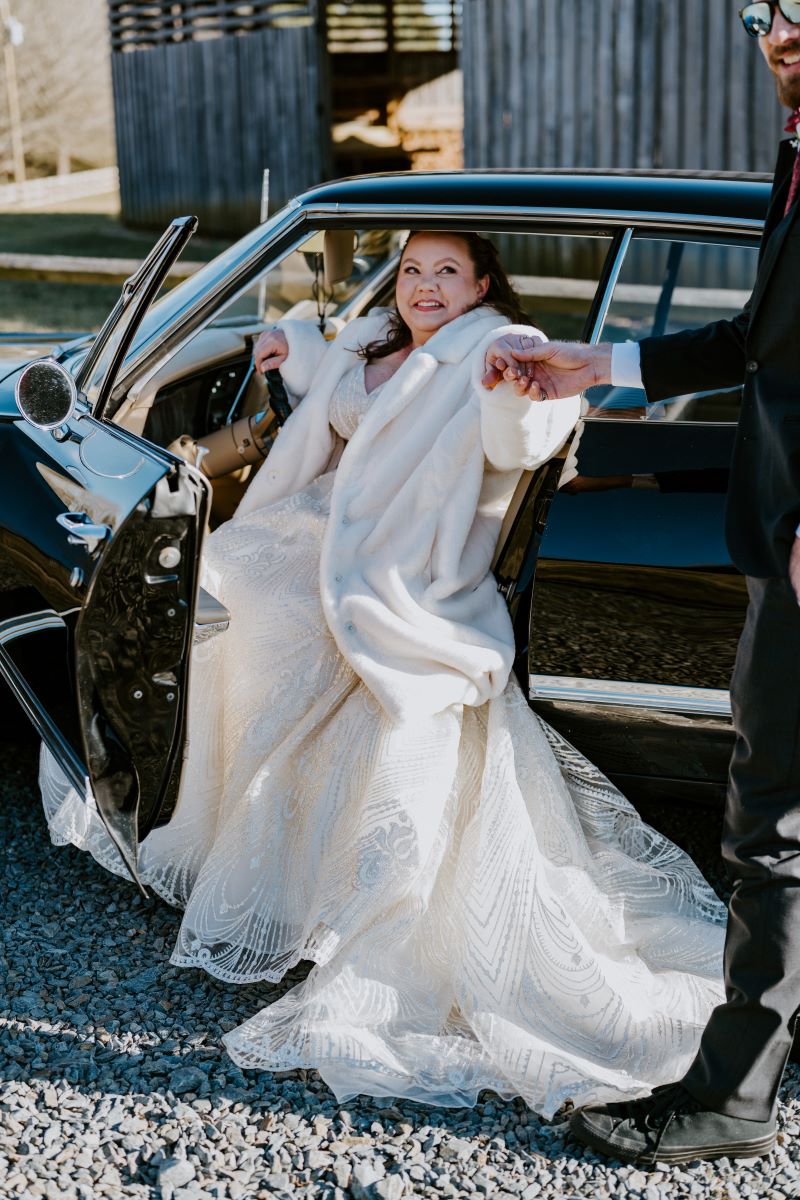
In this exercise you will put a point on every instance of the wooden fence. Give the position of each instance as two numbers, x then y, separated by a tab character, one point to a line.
622	83
52	190
206	96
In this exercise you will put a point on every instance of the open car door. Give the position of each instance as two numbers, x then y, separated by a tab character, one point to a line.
100	537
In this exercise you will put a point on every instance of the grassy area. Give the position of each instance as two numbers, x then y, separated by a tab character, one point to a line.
41	307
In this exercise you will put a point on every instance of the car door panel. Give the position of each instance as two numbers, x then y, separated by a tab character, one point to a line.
121	606
132	644
637	606
637	609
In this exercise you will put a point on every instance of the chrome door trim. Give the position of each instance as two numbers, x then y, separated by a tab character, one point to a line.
48	731
46	618
710	702
597	218
611	283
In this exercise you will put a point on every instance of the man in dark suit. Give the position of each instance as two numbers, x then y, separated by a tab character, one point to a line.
725	1104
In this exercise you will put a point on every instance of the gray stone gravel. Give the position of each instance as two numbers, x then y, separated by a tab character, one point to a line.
113	1082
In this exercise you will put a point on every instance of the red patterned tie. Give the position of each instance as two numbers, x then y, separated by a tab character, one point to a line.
793	126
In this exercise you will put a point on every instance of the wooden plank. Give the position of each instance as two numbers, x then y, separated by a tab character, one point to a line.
625	106
647	81
516	119
714	128
549	115
64	268
569	38
585	106
474	96
693	116
149	24
535	97
479	97
670	99
604	85
491	114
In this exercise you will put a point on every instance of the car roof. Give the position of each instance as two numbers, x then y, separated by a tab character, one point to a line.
710	194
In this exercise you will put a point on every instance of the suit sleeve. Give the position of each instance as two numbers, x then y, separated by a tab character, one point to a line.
696	360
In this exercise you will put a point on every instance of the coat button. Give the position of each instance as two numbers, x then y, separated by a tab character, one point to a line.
751	367
350	627
338	578
345	520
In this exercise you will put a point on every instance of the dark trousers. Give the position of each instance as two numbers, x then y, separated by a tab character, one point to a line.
745	1045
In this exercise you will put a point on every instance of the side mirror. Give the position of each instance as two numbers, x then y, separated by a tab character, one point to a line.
45	393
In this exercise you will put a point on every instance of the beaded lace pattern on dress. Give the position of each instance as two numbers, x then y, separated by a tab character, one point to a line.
484	909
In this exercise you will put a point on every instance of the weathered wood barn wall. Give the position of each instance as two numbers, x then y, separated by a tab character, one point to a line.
208	94
622	83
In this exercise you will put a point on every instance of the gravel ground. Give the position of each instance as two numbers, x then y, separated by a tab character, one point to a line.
113	1083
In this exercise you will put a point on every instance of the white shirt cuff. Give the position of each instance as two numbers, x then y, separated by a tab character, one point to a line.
626	365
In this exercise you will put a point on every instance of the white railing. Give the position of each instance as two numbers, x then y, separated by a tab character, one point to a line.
52	189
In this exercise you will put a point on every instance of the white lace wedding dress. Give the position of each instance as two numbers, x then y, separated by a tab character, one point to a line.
483	908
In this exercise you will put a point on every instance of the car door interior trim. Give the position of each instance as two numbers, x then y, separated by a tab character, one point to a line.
623	693
45	727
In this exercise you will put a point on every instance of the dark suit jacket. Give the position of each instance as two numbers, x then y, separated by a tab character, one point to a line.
762	347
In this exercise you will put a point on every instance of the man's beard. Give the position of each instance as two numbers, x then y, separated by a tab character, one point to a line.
788	92
788	89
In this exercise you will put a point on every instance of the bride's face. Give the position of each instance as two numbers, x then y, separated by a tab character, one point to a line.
436	283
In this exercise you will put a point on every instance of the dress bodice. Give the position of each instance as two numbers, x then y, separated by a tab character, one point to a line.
350	401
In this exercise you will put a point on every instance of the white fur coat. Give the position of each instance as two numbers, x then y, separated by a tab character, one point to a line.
417	505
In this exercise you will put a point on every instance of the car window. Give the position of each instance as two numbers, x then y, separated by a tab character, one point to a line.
555	277
666	285
208	382
295	286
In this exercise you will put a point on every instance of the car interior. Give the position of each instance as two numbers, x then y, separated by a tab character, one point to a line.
208	405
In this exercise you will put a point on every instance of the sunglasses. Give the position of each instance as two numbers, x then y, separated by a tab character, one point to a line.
757	18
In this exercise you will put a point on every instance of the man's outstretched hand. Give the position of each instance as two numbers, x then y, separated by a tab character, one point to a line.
546	370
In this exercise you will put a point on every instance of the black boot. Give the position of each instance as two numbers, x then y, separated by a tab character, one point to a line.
669	1126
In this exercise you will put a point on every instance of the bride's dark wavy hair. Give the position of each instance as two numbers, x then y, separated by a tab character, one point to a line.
500	294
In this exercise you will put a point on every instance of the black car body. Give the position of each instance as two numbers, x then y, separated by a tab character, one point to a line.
626	606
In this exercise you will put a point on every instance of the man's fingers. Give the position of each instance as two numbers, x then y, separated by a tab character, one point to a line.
542	350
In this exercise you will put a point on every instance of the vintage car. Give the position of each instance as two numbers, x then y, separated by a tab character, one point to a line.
625	603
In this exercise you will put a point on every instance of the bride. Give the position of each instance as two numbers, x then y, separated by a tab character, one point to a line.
366	787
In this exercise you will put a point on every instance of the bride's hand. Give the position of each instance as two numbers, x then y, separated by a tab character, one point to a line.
270	351
502	361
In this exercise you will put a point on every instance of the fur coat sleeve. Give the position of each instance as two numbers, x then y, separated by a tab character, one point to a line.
416	509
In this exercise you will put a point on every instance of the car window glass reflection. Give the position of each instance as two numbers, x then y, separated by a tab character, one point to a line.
664	286
295	287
